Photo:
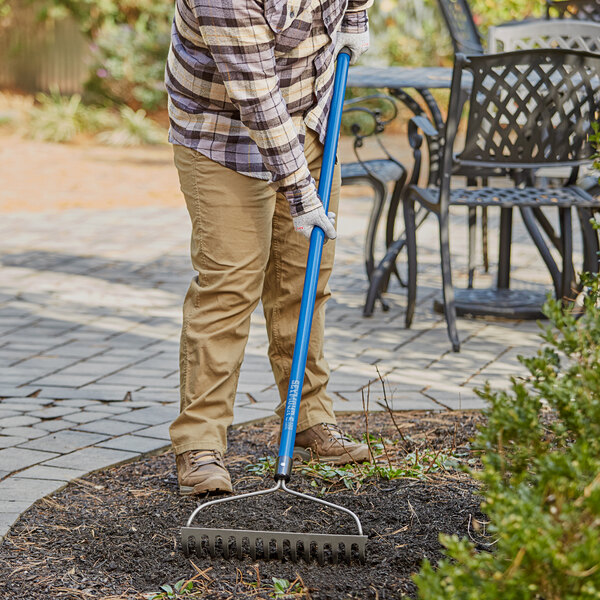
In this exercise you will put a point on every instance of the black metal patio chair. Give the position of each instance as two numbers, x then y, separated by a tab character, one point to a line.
467	39
463	31
363	118
539	33
582	10
526	109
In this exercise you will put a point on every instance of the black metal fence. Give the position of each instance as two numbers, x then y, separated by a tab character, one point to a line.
39	56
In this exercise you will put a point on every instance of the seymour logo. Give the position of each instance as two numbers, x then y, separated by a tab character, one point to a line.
290	406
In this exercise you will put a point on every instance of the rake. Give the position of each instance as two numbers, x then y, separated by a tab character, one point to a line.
282	544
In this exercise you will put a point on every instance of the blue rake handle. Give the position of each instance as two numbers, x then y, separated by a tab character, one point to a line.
311	278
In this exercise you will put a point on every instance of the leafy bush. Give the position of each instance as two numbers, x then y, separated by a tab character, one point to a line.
129	40
541	476
412	32
57	118
134	129
129	62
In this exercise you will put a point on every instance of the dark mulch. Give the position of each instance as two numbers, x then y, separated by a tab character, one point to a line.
114	533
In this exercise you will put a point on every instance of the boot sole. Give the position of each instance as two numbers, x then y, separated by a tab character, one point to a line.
344	459
186	490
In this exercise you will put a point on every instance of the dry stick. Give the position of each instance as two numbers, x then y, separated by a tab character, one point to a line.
389	408
304	588
433	461
366	412
386	452
257	569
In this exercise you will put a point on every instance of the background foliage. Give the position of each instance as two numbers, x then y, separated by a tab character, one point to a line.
412	32
129	39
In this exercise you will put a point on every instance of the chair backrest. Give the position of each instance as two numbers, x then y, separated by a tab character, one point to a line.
526	109
580	35
582	10
461	26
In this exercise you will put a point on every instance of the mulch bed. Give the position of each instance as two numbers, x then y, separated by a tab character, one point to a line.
114	534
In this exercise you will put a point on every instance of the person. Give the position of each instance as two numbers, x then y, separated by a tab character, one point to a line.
249	85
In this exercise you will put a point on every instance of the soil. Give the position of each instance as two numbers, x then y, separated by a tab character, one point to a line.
114	534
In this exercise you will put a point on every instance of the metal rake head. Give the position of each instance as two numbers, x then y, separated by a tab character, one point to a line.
282	545
272	544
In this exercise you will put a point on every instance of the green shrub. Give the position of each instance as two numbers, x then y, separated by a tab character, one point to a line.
129	62
412	32
129	40
540	476
133	129
58	118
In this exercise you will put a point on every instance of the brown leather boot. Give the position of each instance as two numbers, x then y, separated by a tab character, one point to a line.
202	471
327	443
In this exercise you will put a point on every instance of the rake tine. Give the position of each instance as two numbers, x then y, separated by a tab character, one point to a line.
293	553
280	550
225	547
306	548
361	554
239	547
211	546
335	553
347	552
321	554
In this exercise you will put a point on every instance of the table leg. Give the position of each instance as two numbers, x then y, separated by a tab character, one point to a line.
568	272
504	251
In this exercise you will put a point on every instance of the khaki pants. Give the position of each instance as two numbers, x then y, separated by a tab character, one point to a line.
244	249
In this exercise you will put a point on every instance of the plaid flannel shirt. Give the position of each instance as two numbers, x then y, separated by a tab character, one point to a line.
246	77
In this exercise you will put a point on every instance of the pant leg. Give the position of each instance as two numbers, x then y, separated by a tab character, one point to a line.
281	302
231	218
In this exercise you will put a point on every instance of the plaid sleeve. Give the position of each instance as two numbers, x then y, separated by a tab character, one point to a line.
242	45
355	22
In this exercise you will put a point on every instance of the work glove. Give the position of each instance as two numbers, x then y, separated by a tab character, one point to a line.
305	223
357	43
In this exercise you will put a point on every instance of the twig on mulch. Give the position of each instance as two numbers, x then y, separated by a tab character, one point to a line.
365	406
387	406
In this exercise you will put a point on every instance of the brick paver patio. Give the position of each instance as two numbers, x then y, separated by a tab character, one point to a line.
90	308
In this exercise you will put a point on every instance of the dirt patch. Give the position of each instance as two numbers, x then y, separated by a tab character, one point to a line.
114	534
43	176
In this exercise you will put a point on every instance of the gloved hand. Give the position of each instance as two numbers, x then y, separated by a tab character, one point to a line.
357	43
305	223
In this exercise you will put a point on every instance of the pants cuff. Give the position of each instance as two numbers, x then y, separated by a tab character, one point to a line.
200	445
309	422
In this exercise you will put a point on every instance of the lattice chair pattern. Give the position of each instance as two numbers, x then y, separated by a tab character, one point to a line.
363	118
578	35
526	109
582	10
461	26
467	39
581	35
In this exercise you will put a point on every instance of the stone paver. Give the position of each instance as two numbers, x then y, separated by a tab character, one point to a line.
91	459
89	331
15	459
64	441
110	427
135	443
